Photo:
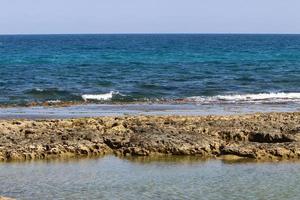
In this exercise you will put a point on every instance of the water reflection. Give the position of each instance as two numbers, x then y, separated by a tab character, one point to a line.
161	177
165	159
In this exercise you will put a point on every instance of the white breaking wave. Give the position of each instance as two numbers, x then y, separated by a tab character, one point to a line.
39	89
99	97
279	97
54	101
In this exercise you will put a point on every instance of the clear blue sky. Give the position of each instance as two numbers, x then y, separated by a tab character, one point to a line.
149	16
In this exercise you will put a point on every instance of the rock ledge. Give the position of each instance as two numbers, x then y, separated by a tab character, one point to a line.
271	136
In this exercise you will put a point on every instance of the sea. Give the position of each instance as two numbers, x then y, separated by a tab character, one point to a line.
153	74
202	69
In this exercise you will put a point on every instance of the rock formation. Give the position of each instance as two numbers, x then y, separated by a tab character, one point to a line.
257	136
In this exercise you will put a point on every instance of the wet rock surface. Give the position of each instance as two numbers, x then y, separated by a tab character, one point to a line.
271	136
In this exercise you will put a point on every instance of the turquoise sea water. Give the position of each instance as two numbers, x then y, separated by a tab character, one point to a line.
144	178
128	68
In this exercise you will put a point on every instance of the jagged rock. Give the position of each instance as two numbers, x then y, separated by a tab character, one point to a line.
269	137
256	136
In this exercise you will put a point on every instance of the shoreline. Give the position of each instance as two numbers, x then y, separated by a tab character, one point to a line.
259	136
154	109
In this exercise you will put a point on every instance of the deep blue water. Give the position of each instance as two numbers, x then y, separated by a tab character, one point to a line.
129	68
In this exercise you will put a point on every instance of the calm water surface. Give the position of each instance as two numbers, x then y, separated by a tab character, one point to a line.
165	178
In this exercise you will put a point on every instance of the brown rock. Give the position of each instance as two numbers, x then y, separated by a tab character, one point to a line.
6	198
256	136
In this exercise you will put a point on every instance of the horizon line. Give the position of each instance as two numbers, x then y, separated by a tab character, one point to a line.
153	33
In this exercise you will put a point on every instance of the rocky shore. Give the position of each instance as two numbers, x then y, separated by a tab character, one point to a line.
269	136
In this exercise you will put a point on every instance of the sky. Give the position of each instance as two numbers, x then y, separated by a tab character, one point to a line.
149	16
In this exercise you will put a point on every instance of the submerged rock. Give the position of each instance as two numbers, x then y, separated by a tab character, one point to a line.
256	136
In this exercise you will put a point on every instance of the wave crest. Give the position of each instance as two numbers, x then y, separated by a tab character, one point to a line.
99	97
279	97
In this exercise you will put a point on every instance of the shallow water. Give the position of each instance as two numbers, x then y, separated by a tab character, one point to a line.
97	110
165	178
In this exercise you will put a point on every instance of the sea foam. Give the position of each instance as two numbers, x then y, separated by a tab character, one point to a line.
279	97
99	97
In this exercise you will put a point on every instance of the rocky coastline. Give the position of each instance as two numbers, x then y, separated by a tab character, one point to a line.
261	136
